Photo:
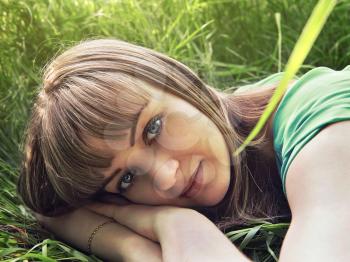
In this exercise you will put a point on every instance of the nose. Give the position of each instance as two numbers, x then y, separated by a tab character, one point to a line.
165	176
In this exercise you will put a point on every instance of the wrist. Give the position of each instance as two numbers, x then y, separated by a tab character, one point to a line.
167	221
94	232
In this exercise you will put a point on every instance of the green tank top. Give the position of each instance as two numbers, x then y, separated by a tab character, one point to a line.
318	98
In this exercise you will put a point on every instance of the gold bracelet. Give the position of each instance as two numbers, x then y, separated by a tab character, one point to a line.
94	233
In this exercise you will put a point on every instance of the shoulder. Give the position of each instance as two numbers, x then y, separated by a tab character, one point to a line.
319	175
318	99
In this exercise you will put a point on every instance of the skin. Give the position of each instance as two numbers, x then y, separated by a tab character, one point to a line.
164	167
309	174
187	137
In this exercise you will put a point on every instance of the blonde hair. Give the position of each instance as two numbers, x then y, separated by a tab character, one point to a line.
93	89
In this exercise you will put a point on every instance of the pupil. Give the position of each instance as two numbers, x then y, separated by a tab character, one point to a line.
154	127
128	178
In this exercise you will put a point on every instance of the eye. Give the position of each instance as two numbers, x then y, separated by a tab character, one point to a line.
153	129
125	181
151	132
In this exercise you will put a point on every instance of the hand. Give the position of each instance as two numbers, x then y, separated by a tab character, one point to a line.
146	220
196	238
110	243
42	220
38	217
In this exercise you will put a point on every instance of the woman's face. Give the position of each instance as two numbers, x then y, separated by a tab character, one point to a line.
171	138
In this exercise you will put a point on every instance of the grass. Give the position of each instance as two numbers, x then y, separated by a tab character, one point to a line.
228	43
310	32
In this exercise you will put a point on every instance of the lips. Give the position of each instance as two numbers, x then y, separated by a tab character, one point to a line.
192	179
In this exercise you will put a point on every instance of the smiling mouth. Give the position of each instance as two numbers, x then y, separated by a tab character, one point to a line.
192	180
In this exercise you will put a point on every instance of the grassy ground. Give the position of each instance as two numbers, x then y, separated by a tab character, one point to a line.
228	43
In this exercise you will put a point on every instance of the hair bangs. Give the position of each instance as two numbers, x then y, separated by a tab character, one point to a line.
99	105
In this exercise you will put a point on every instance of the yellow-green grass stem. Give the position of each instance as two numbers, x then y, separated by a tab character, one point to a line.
301	49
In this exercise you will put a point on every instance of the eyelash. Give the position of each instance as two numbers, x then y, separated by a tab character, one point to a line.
147	142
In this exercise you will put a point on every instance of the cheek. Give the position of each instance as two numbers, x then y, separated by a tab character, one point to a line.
180	131
145	193
211	174
216	143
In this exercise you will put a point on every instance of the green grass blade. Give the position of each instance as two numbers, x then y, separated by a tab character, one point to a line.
31	255
279	40
252	232
303	46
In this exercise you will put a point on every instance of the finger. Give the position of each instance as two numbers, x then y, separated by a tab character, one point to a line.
42	220
36	215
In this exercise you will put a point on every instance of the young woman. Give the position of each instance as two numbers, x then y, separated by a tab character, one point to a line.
126	144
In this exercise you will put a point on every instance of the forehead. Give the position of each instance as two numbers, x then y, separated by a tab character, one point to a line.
109	146
156	93
158	98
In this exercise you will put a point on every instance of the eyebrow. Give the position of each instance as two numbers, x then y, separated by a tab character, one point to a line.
132	143
133	128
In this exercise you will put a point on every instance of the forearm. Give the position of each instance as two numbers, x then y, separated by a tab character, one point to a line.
113	242
192	237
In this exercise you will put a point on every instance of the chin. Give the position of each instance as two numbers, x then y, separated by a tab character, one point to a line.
212	201
215	199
